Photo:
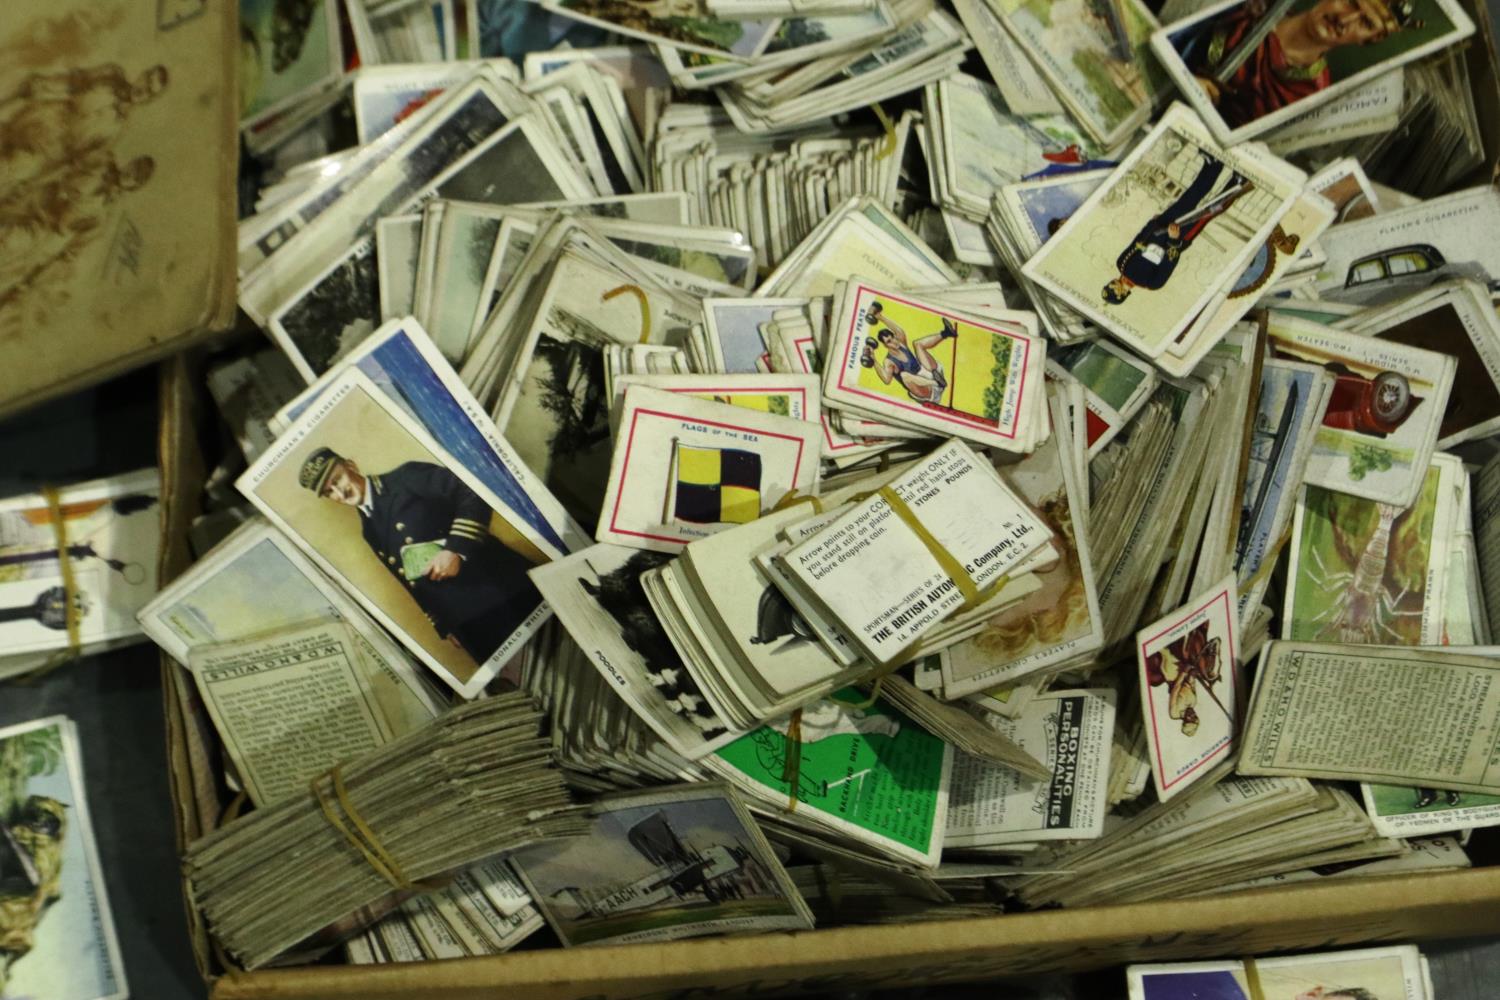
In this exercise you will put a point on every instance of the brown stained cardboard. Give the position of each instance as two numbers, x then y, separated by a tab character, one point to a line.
132	107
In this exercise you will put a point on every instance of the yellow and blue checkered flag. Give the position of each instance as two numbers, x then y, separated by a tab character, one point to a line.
717	485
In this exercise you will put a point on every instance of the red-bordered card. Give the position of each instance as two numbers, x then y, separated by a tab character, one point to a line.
907	361
1190	688
685	468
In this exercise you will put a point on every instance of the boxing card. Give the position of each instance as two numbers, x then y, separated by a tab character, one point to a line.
910	362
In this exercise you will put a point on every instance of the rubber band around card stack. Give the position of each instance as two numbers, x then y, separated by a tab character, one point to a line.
1252	981
889	147
793	498
791	766
971	593
640	297
69	586
362	838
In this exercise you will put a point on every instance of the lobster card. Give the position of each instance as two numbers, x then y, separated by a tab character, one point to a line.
1190	688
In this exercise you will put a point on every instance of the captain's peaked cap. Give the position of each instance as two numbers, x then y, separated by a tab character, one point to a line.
317	468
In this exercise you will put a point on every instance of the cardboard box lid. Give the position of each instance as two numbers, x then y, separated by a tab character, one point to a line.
117	187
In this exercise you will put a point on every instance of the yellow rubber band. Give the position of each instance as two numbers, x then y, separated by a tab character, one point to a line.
640	297
935	548
793	498
874	695
69	585
791	767
887	150
1252	980
362	837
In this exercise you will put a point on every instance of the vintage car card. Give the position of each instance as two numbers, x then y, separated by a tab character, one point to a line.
1384	414
1404	250
684	468
1190	687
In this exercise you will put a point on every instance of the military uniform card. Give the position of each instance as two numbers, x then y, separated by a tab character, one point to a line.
684	468
597	595
406	366
1401	811
1190	688
662	865
1163	237
353	481
1384	413
1248	67
910	361
57	938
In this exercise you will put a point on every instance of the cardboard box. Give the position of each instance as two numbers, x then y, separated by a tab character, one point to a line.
130	112
1294	917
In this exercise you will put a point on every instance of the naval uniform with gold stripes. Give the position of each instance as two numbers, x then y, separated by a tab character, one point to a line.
491	595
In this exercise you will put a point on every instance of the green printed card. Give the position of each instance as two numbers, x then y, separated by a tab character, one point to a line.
867	772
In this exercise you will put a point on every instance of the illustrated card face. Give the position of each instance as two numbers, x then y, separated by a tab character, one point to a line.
866	770
685	468
598	597
283	59
1190	687
732	326
1174	225
1316	51
1394	972
53	891
927	366
355	480
1384	413
1077	53
1369	572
